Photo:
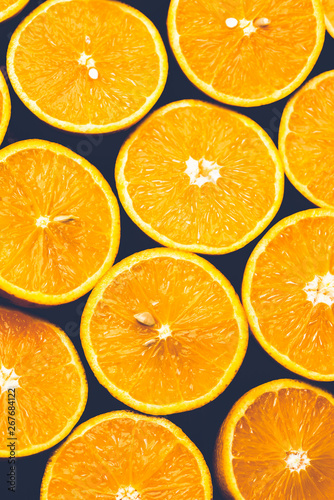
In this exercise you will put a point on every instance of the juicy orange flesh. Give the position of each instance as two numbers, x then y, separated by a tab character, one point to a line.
118	42
291	323
329	11
188	350
247	66
217	213
274	425
4	4
310	141
60	257
46	375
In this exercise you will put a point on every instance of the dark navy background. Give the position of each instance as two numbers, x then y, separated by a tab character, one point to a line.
203	424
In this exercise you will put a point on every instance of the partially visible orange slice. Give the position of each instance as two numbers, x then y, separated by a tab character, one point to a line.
276	443
288	293
164	331
39	368
59	223
246	53
9	8
329	15
90	66
199	177
126	456
5	107
306	140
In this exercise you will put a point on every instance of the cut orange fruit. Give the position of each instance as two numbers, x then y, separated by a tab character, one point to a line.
43	388
9	8
199	177
246	53
5	107
164	331
89	66
329	15
59	223
306	140
276	444
288	293
125	456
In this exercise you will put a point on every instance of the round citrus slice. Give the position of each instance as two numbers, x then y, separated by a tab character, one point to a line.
164	331
43	388
5	107
199	177
275	444
288	293
246	53
306	140
125	456
329	15
9	8
95	66
59	223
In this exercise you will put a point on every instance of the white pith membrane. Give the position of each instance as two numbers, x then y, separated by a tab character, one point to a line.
128	493
321	290
297	460
42	221
8	379
202	171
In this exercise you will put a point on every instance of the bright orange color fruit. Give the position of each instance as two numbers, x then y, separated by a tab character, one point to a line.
306	140
276	444
90	66
9	8
246	53
5	107
329	15
164	331
42	384
288	293
199	177
59	223
126	456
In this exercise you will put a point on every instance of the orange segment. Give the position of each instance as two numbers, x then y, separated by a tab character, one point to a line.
288	293
246	53
59	223
94	66
307	140
217	177
329	15
5	106
164	331
38	360
274	444
125	456
9	8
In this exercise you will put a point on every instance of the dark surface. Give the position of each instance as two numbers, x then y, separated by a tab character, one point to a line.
203	424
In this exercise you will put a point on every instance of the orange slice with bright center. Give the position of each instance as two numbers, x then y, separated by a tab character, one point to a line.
59	223
90	66
5	107
164	331
306	140
39	368
125	456
288	293
199	177
329	15
9	8
276	444
246	53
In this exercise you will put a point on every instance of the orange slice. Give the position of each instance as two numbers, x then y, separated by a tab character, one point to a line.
125	456
43	388
306	140
164	331
89	66
246	53
199	177
59	223
329	15
288	293
9	8
275	444
5	106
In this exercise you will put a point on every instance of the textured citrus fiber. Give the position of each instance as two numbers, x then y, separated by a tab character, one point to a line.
38	360
329	15
125	456
59	223
246	65
276	444
288	293
5	107
87	65
199	177
307	140
9	8
193	349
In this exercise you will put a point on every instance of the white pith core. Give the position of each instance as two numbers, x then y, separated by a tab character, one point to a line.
164	332
297	460
88	61
128	493
42	221
202	171
321	290
8	379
